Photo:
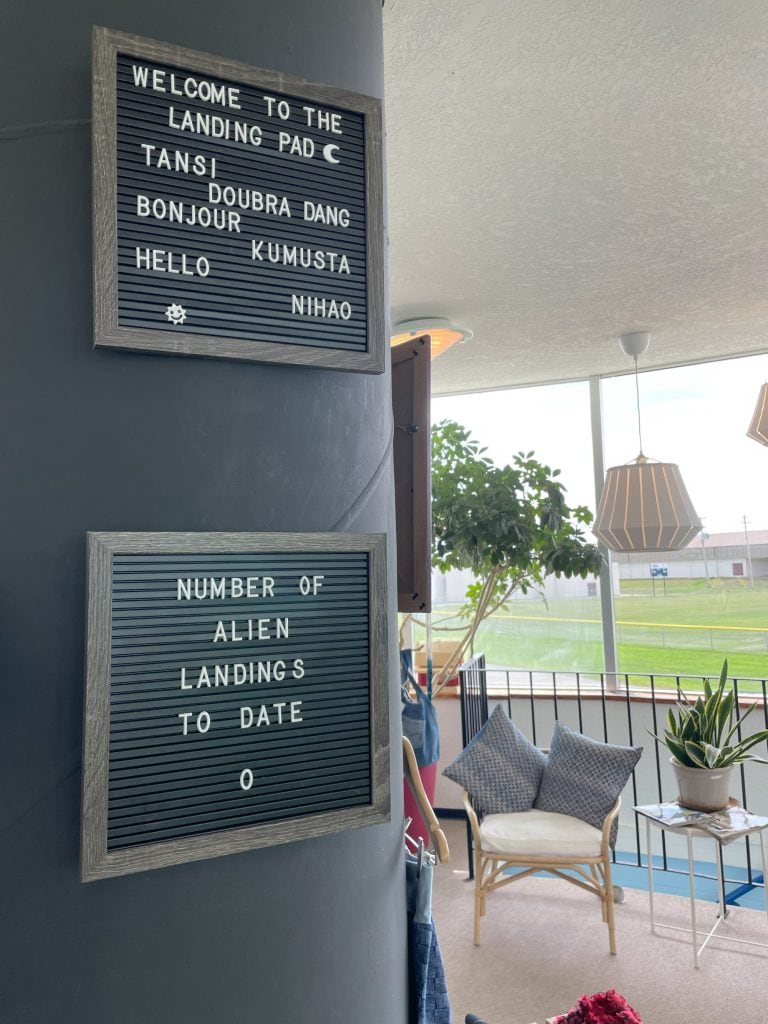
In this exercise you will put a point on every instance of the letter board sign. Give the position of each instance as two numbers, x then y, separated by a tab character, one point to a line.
237	211
236	694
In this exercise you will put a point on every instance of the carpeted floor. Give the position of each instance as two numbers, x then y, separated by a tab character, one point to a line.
543	944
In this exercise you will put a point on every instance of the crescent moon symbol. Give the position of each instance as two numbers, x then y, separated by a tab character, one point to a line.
328	152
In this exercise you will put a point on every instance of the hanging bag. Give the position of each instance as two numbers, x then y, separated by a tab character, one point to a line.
419	717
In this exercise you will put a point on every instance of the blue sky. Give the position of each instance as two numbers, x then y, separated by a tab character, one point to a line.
696	416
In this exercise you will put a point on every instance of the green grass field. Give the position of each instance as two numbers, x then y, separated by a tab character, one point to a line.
687	631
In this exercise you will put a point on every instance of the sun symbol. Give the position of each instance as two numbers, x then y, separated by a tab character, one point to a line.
176	314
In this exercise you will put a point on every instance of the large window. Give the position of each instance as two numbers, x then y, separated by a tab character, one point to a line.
677	613
560	628
684	611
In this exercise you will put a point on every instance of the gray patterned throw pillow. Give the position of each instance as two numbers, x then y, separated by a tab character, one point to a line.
584	778
499	768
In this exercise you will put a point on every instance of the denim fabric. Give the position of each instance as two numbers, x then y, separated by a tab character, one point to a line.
428	1001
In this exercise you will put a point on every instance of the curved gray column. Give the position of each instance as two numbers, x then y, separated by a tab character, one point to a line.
105	440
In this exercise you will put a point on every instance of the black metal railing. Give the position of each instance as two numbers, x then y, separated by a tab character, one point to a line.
623	709
474	697
473	693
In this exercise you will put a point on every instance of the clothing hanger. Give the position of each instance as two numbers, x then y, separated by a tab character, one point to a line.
411	771
423	855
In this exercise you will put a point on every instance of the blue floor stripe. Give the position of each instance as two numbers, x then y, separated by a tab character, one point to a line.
739	891
736	895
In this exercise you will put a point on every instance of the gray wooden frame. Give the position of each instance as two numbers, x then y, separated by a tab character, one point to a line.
107	332
96	861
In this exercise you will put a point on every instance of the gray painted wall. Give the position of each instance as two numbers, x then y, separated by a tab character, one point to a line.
104	440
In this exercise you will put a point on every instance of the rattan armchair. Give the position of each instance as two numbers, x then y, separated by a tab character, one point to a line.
533	841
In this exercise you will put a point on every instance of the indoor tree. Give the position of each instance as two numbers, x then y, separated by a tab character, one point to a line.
509	525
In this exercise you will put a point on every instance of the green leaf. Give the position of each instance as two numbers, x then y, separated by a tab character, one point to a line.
727	757
712	755
672	722
689	728
677	750
725	711
740	721
696	754
751	741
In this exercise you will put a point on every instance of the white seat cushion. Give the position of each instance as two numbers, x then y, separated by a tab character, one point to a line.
539	834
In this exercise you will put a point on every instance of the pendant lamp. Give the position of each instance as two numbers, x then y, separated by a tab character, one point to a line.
758	428
644	505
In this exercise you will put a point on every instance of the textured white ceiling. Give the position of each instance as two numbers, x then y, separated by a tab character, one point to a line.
561	172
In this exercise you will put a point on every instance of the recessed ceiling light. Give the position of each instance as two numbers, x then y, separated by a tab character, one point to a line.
442	333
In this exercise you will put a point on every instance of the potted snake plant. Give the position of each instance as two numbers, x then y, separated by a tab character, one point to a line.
703	739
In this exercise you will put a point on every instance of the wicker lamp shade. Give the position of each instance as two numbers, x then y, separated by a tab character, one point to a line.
758	428
645	507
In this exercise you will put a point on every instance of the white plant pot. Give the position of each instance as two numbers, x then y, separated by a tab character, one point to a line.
703	789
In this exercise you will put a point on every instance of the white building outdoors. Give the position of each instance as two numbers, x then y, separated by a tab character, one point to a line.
709	556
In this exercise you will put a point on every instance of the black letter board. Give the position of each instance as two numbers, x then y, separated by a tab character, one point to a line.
236	694
237	211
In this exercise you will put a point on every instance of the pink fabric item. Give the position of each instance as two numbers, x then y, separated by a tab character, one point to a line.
417	827
602	1008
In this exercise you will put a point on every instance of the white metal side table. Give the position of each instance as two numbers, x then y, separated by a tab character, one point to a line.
721	838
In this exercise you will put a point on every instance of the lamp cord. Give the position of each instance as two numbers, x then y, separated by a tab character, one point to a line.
637	394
